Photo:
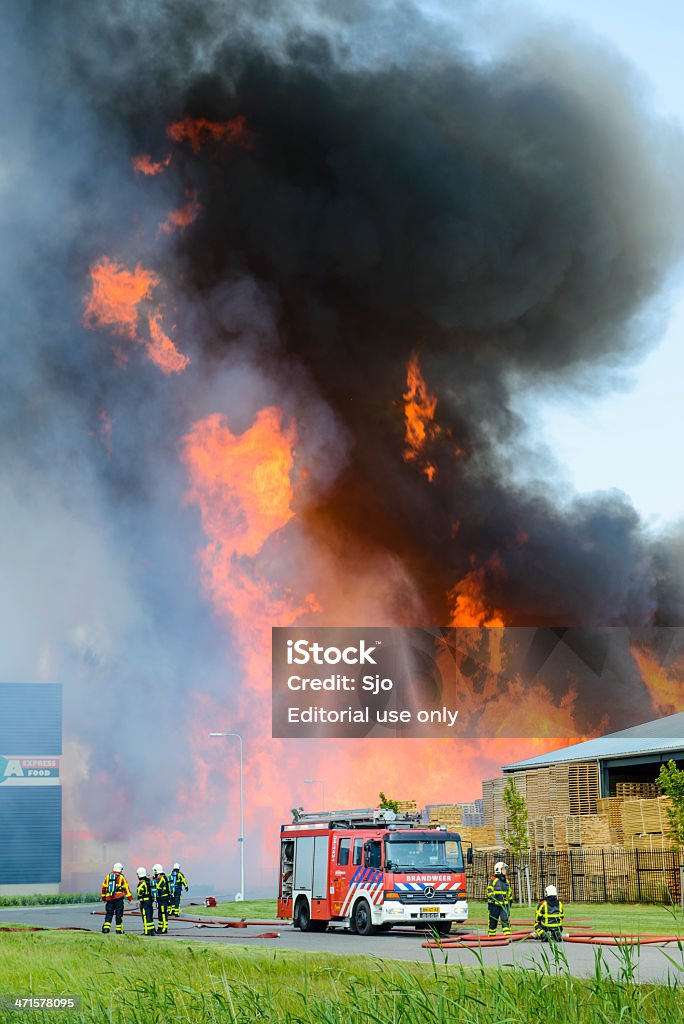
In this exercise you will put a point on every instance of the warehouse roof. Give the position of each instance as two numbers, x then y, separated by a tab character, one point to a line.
664	735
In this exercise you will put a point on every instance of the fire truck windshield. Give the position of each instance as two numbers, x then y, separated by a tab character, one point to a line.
424	854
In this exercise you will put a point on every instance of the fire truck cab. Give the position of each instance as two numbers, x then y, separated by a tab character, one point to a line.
368	870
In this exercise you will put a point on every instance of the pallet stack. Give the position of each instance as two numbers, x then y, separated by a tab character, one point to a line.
571	831
612	806
637	790
646	824
492	800
641	817
450	815
406	806
482	836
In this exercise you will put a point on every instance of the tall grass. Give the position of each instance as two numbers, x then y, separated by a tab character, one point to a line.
132	980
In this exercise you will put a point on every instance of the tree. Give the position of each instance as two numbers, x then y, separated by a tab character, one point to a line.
388	805
516	836
671	781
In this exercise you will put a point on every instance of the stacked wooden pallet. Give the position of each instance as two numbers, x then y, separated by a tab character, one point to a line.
640	817
652	841
570	831
406	806
612	806
492	799
450	815
481	836
640	790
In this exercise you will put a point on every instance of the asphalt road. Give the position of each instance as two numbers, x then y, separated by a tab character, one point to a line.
651	963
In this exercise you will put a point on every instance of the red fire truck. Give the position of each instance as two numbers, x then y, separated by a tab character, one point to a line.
368	870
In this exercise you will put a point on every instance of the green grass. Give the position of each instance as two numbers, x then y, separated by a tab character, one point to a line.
639	918
133	980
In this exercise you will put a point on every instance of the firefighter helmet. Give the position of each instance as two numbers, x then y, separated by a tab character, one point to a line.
157	868
118	867
500	867
141	872
550	890
176	866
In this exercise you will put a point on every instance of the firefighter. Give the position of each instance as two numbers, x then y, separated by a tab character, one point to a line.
145	899
499	899
114	888
160	886
548	921
177	882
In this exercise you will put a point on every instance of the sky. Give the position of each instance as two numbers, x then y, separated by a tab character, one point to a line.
625	440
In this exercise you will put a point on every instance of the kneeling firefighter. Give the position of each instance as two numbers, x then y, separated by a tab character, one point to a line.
548	921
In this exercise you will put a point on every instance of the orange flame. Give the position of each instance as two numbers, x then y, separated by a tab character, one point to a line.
197	130
241	482
469	603
665	683
144	164
162	351
184	216
419	415
115	295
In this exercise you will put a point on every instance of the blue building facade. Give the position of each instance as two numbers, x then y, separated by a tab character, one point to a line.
30	789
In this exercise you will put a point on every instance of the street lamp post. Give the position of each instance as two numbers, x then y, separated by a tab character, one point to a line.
241	838
310	782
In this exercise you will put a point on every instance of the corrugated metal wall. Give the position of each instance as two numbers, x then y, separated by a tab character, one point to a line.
31	719
30	813
31	830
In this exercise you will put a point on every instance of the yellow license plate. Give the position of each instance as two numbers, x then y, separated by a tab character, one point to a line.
428	911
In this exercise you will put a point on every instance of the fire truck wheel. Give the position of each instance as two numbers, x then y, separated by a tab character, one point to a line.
302	918
362	918
442	927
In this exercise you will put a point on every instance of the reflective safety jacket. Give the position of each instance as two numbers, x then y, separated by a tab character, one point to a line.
145	890
499	891
549	913
161	886
115	886
177	880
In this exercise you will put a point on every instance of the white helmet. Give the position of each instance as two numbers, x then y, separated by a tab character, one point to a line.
118	867
550	890
500	867
176	866
142	872
157	868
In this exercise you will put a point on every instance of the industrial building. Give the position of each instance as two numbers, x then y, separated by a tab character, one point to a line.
30	789
631	757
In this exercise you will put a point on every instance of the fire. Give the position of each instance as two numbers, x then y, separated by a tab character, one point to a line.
162	351
665	683
181	218
241	482
242	486
198	130
115	295
144	164
469	603
419	415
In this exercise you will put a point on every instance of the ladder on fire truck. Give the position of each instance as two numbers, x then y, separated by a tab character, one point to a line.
359	817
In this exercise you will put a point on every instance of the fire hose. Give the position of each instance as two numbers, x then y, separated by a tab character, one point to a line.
473	941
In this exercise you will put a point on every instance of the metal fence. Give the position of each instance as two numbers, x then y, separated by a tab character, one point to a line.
587	875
